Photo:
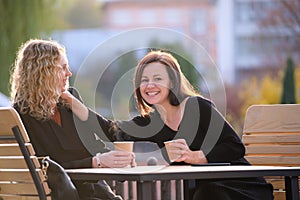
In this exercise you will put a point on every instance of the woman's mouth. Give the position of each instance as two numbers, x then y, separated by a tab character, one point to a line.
152	93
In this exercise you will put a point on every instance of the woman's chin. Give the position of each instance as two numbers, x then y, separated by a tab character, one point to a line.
63	90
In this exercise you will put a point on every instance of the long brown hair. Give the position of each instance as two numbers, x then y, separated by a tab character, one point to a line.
181	89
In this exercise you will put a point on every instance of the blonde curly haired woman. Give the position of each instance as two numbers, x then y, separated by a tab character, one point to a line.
40	93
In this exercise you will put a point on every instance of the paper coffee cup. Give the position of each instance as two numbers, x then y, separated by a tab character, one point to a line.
124	145
172	156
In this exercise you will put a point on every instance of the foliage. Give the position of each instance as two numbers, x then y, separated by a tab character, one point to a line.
233	107
21	20
297	84
265	91
288	93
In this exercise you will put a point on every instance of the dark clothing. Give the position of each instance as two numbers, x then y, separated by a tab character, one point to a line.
64	143
204	128
72	145
200	122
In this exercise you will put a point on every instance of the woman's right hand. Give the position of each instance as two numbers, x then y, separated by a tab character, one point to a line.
117	159
78	108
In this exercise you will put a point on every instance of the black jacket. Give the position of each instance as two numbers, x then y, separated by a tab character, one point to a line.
73	144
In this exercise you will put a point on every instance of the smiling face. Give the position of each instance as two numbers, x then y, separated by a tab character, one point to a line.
155	84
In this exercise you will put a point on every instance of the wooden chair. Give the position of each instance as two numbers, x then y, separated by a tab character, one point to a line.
21	176
271	135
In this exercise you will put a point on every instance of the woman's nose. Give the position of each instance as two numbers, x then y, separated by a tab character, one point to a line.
150	84
68	73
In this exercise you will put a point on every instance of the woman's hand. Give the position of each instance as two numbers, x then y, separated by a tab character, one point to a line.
78	108
117	159
67	96
180	147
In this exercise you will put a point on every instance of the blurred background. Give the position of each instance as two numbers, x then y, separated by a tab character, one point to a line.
255	44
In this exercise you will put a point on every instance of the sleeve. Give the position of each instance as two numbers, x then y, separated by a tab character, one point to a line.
97	123
133	130
83	163
227	146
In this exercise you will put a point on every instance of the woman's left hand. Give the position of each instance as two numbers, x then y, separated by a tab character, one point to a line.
187	155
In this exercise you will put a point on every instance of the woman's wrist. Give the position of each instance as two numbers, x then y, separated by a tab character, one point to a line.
96	162
202	157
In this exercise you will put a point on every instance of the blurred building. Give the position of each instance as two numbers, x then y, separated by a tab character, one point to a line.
192	17
229	30
253	37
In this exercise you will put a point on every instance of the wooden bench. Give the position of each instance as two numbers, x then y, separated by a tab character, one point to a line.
21	176
271	135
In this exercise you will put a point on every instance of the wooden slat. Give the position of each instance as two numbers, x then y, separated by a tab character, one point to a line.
8	119
274	160
7	141
20	188
18	175
273	149
277	183
271	138
279	195
22	197
272	133
272	118
15	177
16	162
14	150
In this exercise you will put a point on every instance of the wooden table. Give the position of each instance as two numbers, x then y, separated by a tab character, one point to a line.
145	175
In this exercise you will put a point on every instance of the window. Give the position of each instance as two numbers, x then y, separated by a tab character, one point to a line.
198	21
147	17
172	16
121	17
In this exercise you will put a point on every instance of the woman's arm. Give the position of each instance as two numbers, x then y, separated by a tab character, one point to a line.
228	146
77	107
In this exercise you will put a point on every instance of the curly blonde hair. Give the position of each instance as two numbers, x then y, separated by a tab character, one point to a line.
34	78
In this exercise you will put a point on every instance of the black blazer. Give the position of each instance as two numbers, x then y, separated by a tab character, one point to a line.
74	143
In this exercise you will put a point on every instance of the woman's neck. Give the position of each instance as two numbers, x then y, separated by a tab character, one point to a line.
171	115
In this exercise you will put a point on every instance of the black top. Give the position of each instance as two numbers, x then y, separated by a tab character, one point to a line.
202	126
73	144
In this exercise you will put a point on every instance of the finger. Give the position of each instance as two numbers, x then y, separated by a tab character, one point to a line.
118	163
181	141
178	145
133	164
122	153
181	158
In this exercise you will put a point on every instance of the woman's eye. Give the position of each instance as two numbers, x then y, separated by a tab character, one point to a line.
157	79
144	80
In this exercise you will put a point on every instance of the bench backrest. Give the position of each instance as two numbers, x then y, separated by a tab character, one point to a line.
271	135
21	176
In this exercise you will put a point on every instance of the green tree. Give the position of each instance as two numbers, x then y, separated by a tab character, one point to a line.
264	91
288	92
21	20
